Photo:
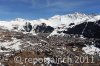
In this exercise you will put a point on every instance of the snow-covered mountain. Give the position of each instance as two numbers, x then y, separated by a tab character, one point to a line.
56	36
54	21
59	22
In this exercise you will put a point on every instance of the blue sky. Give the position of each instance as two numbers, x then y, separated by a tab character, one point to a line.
35	9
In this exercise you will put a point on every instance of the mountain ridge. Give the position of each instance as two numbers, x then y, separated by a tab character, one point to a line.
58	23
56	20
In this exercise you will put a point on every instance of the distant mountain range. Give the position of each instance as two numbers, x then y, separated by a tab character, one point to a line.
76	23
73	35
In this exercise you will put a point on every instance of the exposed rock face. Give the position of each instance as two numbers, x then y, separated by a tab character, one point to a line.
88	29
29	45
64	41
43	28
28	27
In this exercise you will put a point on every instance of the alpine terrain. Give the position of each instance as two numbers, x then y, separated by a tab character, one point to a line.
61	36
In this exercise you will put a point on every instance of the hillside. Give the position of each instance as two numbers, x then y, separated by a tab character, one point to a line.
61	36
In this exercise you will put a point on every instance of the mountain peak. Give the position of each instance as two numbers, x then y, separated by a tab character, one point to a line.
20	19
57	20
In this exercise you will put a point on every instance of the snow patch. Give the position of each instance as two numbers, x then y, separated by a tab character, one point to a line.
91	49
14	45
55	32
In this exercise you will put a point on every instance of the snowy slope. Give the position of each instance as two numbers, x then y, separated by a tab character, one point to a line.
54	21
91	50
61	21
15	44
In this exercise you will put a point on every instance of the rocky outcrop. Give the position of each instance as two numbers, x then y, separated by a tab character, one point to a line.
87	29
43	28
